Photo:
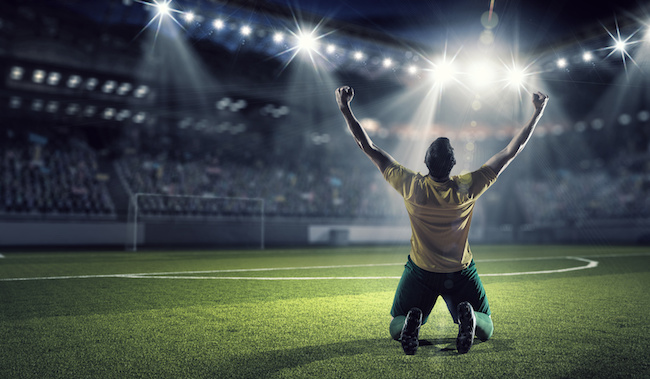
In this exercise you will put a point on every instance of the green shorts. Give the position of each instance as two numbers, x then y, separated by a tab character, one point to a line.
420	288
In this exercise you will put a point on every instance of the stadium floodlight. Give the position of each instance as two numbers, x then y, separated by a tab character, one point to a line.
37	105
620	45
54	78
562	63
72	109
218	24
163	8
52	106
17	73
91	83
330	49
38	76
108	113
307	41
587	56
139	117
443	72
516	77
141	91
90	110
358	56
15	102
74	81
412	69
109	86
124	88
189	16
387	62
246	30
278	37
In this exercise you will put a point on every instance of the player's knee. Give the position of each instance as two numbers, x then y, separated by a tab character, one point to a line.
485	330
484	335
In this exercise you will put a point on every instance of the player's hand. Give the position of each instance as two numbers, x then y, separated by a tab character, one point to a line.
344	95
539	101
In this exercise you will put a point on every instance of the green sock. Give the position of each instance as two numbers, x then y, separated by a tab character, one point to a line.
484	326
396	326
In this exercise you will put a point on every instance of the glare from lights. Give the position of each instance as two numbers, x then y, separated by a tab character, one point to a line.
387	62
245	30
109	113
74	81
38	76
358	56
15	102
307	41
481	74
218	24
587	56
330	49
412	70
123	114
72	109
37	105
109	86
444	72
141	91
516	77
124	88
163	10
562	63
621	45
278	37
52	107
90	111
189	16
139	117
91	84
54	78
17	73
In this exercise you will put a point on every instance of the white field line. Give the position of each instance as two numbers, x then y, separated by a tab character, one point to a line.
174	275
261	278
590	264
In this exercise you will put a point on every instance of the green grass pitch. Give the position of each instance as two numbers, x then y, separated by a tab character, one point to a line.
316	312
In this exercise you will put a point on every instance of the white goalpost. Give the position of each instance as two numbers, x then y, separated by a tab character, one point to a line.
188	209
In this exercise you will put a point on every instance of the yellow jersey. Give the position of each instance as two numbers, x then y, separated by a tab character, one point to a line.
440	214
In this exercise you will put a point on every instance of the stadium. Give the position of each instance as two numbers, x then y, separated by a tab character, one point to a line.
181	198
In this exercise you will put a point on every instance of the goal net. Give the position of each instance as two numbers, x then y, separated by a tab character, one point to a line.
177	220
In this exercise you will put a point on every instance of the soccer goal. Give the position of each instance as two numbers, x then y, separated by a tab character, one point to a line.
178	219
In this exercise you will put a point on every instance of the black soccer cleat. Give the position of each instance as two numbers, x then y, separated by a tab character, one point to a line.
466	327
411	331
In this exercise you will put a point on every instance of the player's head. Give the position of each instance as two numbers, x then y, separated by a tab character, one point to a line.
440	158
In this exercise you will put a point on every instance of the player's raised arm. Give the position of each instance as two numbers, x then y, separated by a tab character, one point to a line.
379	157
502	159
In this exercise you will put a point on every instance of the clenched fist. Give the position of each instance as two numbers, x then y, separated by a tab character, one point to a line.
344	95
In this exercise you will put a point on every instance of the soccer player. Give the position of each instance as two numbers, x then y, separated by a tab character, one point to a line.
440	210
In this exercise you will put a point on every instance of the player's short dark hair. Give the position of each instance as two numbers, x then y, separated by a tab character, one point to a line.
440	158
